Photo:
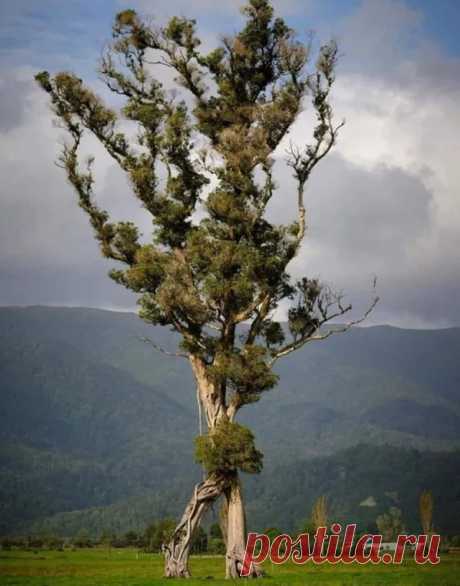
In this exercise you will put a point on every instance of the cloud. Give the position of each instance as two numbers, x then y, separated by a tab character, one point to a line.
385	202
361	223
362	217
48	251
13	92
207	8
377	35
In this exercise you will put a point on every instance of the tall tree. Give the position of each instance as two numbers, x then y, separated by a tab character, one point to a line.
426	511
319	513
215	269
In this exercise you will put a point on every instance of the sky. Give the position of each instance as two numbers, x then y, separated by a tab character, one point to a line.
384	203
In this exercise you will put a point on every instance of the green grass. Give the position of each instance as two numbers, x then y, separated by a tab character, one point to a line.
128	568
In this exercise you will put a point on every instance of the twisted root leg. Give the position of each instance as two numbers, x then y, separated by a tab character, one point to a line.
177	551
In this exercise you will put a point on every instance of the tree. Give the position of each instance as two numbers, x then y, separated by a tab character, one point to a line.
215	531
131	539
157	533
82	539
199	541
216	268
426	511
216	543
106	538
319	513
272	532
390	524
307	526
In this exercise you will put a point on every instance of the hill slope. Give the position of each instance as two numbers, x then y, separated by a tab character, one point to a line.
90	416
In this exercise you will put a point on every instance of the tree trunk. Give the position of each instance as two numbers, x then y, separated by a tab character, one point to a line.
236	532
177	550
223	520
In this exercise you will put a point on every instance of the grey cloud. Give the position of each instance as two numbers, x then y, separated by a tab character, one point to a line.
359	211
46	242
383	40
374	38
374	222
368	213
362	222
71	286
13	92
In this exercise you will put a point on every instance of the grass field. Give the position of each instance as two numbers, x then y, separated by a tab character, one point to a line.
128	568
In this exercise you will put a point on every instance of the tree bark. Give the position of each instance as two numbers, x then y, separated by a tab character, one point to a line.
178	549
223	520
236	532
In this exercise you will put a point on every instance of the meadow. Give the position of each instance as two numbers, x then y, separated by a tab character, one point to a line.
127	567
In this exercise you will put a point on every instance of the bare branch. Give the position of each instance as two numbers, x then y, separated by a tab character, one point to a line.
162	350
313	337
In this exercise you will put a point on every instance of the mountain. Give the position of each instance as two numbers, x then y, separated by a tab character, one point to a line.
94	420
360	483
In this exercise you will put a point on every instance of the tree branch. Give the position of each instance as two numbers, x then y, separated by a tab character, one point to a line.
312	336
162	350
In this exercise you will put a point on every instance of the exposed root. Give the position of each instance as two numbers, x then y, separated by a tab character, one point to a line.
235	565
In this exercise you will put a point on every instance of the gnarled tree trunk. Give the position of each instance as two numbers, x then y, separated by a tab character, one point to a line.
178	549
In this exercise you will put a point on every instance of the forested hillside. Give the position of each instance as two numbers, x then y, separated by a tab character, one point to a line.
94	420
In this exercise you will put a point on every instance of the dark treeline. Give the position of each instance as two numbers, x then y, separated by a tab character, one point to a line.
205	541
149	541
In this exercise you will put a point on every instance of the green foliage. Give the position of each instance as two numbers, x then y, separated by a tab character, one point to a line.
82	539
307	526
199	543
131	539
216	546
272	532
302	319
245	372
230	446
215	531
158	533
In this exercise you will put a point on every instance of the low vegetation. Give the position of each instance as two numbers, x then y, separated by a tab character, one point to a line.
129	567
